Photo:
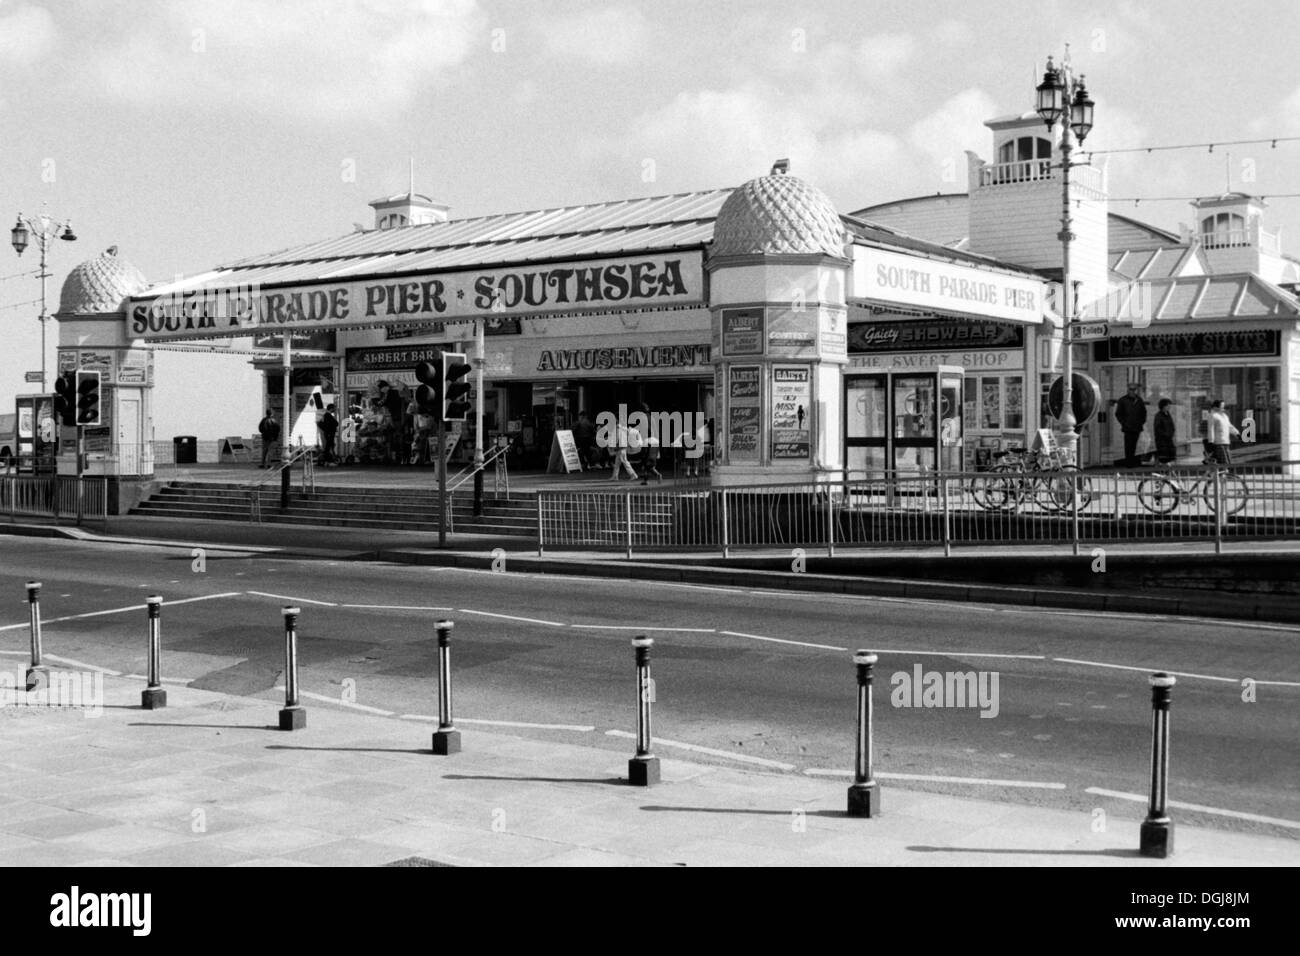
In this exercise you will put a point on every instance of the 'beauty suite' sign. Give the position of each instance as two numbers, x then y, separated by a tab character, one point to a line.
599	285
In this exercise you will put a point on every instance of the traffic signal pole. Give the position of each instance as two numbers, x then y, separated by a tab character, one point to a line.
479	359
442	481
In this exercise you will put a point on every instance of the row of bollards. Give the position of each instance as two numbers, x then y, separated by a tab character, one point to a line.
1156	835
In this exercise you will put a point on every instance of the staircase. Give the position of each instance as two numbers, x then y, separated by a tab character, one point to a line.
381	508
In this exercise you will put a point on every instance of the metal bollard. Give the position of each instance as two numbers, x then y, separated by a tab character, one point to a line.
864	794
643	769
38	675
446	739
1157	833
293	717
153	696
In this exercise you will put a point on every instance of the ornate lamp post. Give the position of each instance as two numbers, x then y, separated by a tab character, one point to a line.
1063	98
43	228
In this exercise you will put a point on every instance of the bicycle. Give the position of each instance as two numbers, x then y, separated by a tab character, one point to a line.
1162	492
1018	477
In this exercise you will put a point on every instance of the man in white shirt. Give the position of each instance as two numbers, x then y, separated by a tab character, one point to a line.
1220	433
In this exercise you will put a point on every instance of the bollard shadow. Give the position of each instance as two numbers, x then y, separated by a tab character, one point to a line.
656	808
995	851
355	750
613	781
179	724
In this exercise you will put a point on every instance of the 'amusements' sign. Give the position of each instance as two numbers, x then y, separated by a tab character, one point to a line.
601	285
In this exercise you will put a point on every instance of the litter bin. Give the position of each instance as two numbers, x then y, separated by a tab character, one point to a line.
186	449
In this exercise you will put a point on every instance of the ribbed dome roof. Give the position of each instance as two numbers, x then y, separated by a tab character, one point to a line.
777	214
99	285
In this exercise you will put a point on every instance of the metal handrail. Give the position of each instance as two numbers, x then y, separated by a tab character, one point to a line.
497	456
302	453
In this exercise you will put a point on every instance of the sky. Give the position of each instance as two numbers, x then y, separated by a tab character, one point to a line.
190	133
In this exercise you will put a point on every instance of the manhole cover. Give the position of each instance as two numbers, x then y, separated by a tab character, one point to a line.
417	861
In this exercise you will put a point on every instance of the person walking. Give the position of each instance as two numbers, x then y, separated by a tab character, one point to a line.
269	429
650	442
621	440
1163	427
1220	433
1131	413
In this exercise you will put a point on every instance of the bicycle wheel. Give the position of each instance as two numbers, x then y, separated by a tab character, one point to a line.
1158	494
1054	490
1235	492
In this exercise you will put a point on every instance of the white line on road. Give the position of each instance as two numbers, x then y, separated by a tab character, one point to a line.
781	640
929	778
1196	807
295	600
83	665
644	627
582	728
120	610
1144	670
326	699
743	758
1015	657
512	617
396	607
166	680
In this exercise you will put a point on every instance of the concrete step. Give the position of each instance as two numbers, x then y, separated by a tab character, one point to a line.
236	511
461	526
368	508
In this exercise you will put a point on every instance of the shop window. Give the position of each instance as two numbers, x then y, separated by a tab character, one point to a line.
994	403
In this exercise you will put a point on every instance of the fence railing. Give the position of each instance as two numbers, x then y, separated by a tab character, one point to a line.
1068	508
80	499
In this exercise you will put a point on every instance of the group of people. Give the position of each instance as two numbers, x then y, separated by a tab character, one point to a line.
1131	416
269	430
626	443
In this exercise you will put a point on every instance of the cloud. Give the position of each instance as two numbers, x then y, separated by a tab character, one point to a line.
369	58
607	36
956	126
27	34
884	55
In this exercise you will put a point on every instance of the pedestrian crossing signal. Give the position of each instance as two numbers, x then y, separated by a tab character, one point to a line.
87	398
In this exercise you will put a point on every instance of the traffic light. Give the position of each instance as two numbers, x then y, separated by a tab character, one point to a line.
429	395
87	398
455	390
65	399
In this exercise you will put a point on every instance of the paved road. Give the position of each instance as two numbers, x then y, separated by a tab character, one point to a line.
764	676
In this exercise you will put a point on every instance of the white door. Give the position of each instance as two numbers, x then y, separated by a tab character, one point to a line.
128	436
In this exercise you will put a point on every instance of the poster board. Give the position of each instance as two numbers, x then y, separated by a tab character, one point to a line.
743	406
564	453
234	447
791	416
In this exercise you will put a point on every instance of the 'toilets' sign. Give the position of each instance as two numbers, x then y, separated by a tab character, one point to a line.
599	285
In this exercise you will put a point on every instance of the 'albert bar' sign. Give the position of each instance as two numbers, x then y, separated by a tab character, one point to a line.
599	285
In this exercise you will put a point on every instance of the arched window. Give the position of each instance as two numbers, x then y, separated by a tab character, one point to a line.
1026	157
1223	229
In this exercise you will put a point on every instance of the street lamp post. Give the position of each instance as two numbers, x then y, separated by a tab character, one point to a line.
1063	98
43	228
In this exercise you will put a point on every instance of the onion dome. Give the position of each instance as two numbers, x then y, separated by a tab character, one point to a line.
778	214
99	286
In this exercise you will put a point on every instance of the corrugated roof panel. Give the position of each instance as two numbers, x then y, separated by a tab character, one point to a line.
1260	300
1179	303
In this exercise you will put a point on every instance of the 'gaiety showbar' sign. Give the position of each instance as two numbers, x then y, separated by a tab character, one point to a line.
571	287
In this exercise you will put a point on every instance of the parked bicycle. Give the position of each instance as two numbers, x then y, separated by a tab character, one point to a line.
1018	477
1162	492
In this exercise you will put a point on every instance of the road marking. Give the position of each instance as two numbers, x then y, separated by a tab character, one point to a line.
295	600
583	728
83	665
1196	807
635	627
15	653
396	607
1014	657
512	617
743	758
1144	670
121	610
1273	683
326	699
780	640
928	778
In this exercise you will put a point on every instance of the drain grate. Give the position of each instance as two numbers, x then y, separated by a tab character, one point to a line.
417	861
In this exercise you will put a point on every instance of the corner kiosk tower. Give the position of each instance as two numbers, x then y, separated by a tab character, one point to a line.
778	270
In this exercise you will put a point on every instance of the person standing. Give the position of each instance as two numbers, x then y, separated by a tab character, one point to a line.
1131	413
269	429
329	427
1220	432
1163	427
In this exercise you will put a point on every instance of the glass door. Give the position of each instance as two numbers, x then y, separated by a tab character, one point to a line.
866	424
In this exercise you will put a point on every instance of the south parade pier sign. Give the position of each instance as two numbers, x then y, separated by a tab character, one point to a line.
593	286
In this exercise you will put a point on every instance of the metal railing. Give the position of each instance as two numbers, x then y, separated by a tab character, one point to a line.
83	499
496	457
299	454
1052	507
